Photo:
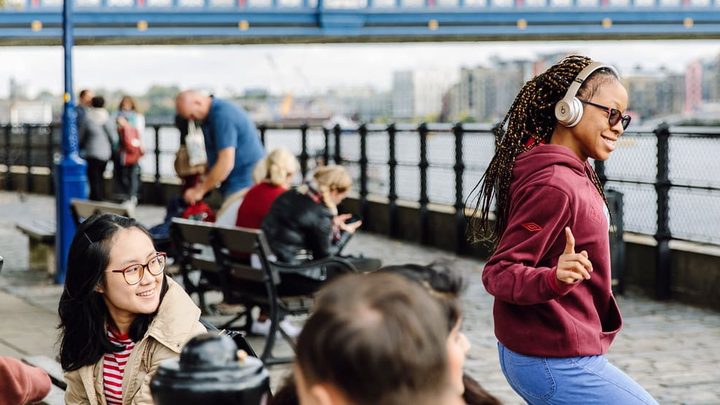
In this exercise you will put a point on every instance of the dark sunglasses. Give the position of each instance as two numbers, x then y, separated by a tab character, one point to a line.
614	115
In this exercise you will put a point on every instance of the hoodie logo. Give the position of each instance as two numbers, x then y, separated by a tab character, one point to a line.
532	227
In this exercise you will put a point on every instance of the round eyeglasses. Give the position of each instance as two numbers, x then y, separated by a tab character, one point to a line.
135	272
614	115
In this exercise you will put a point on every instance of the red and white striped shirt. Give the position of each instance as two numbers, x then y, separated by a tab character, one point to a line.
114	367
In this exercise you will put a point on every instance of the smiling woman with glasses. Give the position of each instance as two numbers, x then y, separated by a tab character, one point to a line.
555	314
120	316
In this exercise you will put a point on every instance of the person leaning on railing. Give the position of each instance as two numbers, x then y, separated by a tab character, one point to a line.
120	316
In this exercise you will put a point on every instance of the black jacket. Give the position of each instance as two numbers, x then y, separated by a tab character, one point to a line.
296	223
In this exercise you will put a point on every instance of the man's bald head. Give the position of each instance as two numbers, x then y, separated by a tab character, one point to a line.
192	105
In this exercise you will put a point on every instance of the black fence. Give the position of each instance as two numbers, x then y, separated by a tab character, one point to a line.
668	175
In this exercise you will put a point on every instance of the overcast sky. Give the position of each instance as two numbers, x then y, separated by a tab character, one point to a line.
304	68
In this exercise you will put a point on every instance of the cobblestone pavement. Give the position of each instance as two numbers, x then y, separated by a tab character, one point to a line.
673	350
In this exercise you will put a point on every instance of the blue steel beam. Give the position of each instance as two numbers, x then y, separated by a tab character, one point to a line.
306	24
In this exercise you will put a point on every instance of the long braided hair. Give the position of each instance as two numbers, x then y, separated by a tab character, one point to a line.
530	121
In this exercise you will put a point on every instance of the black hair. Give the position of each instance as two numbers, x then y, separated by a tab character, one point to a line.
98	102
445	284
530	122
286	394
440	280
82	310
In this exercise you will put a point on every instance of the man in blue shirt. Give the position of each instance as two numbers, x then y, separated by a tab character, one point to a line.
231	140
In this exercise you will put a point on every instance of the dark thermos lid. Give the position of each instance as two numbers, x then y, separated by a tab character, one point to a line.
208	371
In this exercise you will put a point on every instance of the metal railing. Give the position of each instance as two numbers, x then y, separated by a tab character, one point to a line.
668	175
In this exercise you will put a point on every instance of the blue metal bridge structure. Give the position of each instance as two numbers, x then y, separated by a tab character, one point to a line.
108	22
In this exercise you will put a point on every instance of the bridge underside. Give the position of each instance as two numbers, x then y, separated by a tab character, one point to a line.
309	25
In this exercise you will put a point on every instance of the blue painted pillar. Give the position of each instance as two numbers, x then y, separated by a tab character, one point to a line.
70	170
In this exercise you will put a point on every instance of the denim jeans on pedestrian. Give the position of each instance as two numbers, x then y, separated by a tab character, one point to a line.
570	380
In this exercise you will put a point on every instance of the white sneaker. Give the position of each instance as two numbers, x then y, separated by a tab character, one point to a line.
291	330
261	328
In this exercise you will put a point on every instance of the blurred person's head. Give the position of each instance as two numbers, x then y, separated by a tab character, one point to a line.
277	168
373	339
193	105
127	103
333	182
85	97
445	285
97	102
115	279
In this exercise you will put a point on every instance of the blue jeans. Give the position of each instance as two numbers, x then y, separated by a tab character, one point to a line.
570	380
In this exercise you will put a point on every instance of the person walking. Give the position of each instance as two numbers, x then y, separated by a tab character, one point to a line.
97	138
127	173
555	314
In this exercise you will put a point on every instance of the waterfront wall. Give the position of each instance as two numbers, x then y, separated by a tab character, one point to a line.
695	267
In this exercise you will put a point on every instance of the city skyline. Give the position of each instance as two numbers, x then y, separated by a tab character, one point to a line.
306	69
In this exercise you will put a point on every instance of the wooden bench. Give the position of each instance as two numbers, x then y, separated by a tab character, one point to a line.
54	370
41	237
82	209
200	273
243	269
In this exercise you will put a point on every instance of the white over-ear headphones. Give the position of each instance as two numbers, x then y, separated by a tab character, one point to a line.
569	110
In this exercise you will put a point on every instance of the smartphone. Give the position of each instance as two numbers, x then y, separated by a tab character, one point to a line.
353	218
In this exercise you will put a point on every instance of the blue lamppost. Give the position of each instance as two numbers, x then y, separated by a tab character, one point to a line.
70	170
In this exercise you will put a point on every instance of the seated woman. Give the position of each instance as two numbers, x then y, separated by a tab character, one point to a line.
120	316
374	339
445	286
276	171
304	223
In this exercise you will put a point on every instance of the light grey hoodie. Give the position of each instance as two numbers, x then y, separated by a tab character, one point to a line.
97	135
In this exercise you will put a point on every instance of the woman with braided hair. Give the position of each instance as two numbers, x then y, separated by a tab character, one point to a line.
555	315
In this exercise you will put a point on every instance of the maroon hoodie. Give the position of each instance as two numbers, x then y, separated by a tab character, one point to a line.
535	314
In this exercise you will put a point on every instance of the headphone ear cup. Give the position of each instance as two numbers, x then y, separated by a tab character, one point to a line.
564	112
577	112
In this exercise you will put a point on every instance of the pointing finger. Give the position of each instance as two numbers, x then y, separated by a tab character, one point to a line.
569	241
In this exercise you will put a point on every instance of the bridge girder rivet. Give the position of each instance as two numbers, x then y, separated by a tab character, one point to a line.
433	25
36	25
244	25
142	25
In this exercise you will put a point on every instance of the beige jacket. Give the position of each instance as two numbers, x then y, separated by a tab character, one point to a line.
176	322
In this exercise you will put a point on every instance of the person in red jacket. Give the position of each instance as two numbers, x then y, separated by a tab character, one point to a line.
555	315
276	171
20	383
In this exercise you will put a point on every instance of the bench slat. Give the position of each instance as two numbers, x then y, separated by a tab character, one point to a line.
42	231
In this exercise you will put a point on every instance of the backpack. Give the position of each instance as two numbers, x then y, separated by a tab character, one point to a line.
131	149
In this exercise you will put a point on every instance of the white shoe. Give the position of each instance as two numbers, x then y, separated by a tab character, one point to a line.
291	330
261	328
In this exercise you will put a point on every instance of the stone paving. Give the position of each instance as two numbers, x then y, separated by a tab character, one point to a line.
671	349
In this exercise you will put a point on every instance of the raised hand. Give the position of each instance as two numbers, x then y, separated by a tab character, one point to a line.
573	267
